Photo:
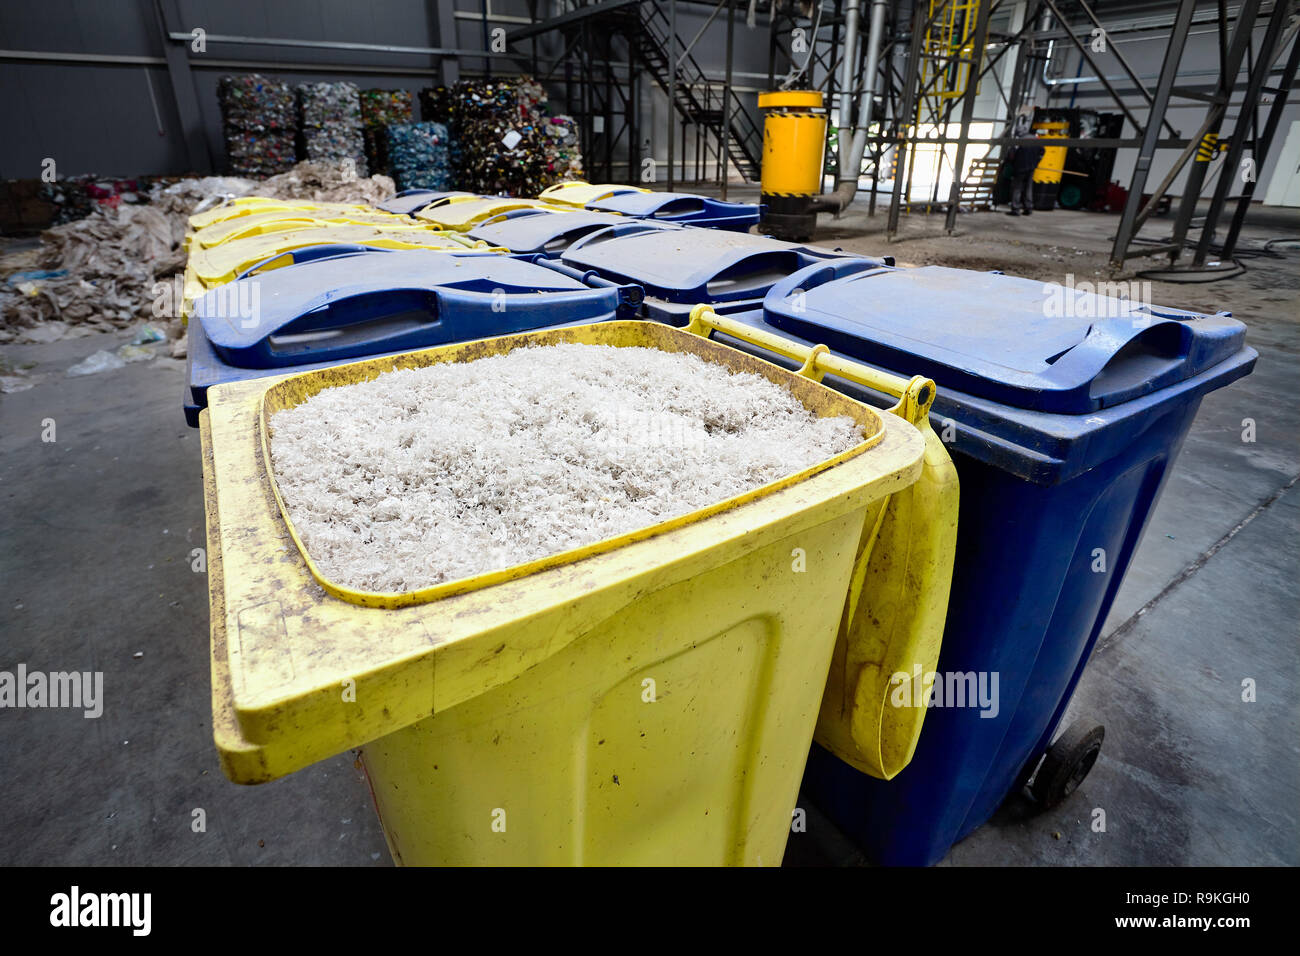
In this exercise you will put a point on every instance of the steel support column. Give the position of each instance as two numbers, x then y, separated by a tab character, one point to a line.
1245	120
1229	68
968	108
672	87
724	150
197	155
902	155
1150	135
1261	148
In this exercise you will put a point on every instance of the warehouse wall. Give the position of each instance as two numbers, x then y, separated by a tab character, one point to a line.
99	99
86	83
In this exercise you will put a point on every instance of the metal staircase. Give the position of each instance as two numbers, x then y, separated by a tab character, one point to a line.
699	100
603	100
979	185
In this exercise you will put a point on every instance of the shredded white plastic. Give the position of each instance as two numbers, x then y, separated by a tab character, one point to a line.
429	475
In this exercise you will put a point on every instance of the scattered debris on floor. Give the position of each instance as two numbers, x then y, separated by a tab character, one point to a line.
110	269
136	350
16	378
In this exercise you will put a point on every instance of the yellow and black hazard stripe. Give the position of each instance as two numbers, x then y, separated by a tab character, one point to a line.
1209	147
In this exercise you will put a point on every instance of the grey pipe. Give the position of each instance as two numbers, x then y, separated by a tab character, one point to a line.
867	104
847	62
851	164
1044	24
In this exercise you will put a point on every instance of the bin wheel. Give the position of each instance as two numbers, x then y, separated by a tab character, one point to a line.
1067	762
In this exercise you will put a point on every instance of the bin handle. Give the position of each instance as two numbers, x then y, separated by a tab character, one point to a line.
897	602
915	395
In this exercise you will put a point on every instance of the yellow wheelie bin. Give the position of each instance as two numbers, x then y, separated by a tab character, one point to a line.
208	268
649	699
260	224
578	194
463	213
256	205
893	621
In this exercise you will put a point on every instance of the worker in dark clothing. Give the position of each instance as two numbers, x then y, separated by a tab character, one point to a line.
1024	160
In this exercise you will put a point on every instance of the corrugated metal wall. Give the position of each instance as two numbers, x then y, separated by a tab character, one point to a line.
86	83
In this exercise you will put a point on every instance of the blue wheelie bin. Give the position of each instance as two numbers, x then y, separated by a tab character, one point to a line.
535	232
1063	413
680	267
365	302
682	208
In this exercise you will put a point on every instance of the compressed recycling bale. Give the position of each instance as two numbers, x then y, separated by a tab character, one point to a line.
329	124
379	110
417	156
503	141
428	475
258	120
439	104
562	150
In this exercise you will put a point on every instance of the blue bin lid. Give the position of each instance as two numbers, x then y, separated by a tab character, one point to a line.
384	301
205	368
537	232
1044	448
673	207
410	201
1019	342
685	264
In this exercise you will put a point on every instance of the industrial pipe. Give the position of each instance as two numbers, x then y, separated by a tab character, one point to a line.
851	165
847	63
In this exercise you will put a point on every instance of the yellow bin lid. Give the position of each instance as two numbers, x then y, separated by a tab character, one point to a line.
577	193
223	263
463	213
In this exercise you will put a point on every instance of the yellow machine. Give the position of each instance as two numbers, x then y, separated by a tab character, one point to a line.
794	148
1050	169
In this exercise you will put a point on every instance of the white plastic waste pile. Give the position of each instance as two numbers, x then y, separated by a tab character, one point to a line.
429	475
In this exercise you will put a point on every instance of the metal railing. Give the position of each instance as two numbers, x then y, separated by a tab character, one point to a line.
700	100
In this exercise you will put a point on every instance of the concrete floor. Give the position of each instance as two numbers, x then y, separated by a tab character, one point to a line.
97	528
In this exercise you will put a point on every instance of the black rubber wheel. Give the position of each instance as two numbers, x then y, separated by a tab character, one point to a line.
1067	762
1070	196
